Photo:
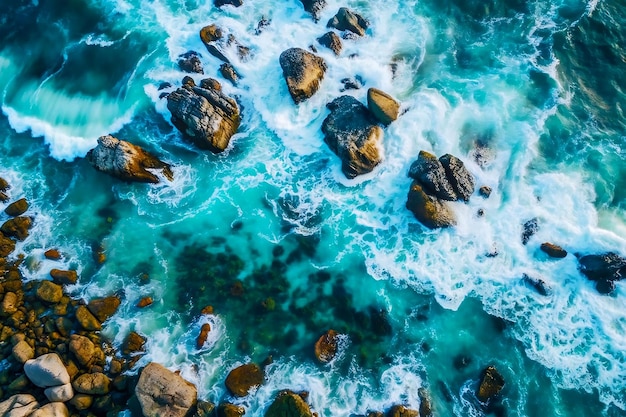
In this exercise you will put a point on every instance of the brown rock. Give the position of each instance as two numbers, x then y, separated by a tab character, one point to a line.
425	405
82	401
17	208
64	277
384	107
243	378
553	250
204	334
346	19
9	304
52	254
49	292
229	73
401	411
332	41
210	34
161	392
94	384
4	185
429	210
86	319
490	385
210	84
82	348
288	404
326	346
230	410
103	308
145	302
17	227
134	343
303	73
207	310
7	246
22	352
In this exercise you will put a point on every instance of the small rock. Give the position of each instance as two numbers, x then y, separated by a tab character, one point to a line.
314	7
64	277
23	352
103	308
204	334
484	191
82	401
7	246
49	292
331	41
188	81
553	250
82	348
17	227
4	185
529	229
303	73
60	393
288	404
144	302
229	72
52	254
190	62
17	208
53	409
204	409
47	371
326	346
164	85
491	384
93	384
401	411
262	25
220	3
384	107
346	19
210	84
538	284
134	343
230	410
86	319
243	378
352	83
9	304
425	403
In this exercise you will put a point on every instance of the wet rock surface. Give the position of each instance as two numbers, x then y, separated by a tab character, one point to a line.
303	73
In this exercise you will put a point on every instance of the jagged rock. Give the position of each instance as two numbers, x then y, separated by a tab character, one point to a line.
314	7
204	409
538	284
92	384
19	405
103	308
126	161
429	210
9	304
86	319
303	73
7	246
351	134
331	41
263	23
352	83
190	62
134	343
63	277
204	334
384	107
553	250
59	393
484	191
230	410
23	352
210	84
3	197
326	346
17	227
208	117
82	348
52	254
490	385
243	378
431	174
236	3
288	404
529	229
346	19
604	268
459	177
17	208
425	404
4	184
162	393
47	371
229	72
188	81
164	85
401	411
49	292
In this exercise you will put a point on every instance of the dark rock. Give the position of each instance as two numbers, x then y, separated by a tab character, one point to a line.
607	266
134	343
431	174
204	409
243	378
4	184
7	246
208	117
163	95
303	73
288	404
188	81
351	134
605	286
326	346
538	284
426	409
190	62
352	83
210	37
126	161
553	250
229	72
314	7
491	384
17	208
346	19
16	227
103	308
164	85
3	197
480	212
384	107
484	191
236	3
429	210
458	176
331	41
230	410
529	229
263	23
401	411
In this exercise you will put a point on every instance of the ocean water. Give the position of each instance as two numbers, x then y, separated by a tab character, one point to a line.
529	94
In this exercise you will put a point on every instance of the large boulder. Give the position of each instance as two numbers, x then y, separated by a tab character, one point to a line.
47	371
303	72
19	405
288	404
490	385
346	19
431	174
49	292
429	210
82	348
352	135
206	116
326	346
17	227
384	107
17	208
314	7
126	161
243	378
459	177
162	393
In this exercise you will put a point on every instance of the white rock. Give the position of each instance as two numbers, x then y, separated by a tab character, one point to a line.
47	371
59	393
52	410
19	405
162	393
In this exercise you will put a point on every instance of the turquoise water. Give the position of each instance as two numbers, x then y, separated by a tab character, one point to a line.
533	87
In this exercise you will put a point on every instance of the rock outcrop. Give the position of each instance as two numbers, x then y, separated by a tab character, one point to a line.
163	393
490	385
314	7
346	19
605	269
243	378
458	176
190	62
332	41
17	227
126	161
303	72
352	135
288	404
384	107
207	117
217	44
429	210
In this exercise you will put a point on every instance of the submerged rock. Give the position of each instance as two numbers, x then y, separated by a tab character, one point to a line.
126	161
538	284
331	41
236	3
229	72
314	7
303	72
206	116
352	135
288	404
429	210
490	385
161	392
346	19
553	250
326	346
243	378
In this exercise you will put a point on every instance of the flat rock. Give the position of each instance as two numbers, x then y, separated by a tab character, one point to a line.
461	180
351	134
17	208
64	277
82	348
19	405
384	107
490	385
303	72
60	393
346	19
429	210
243	378
431	174
96	383
53	409
552	250
103	308
332	41
126	161
47	371
162	393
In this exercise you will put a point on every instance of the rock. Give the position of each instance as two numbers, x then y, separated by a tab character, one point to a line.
229	72
86	319
164	85
429	210
19	384
230	410
17	208
9	304
126	161
605	286
553	250
331	41
4	185
529	229
425	404
314	7
204	334
431	174
484	191
350	133
7	246
236	3
210	84
188	81
326	346
288	404
204	409
145	302
490	385
207	117
262	25
303	73
243	378
47	371
384	107
211	36
103	308
351	83
81	401
52	254
607	266
60	393
93	384
458	176
190	62
162	393
23	352
53	409
63	277
19	405
49	292
346	19
538	284
82	348
134	343
17	227
401	411
3	197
